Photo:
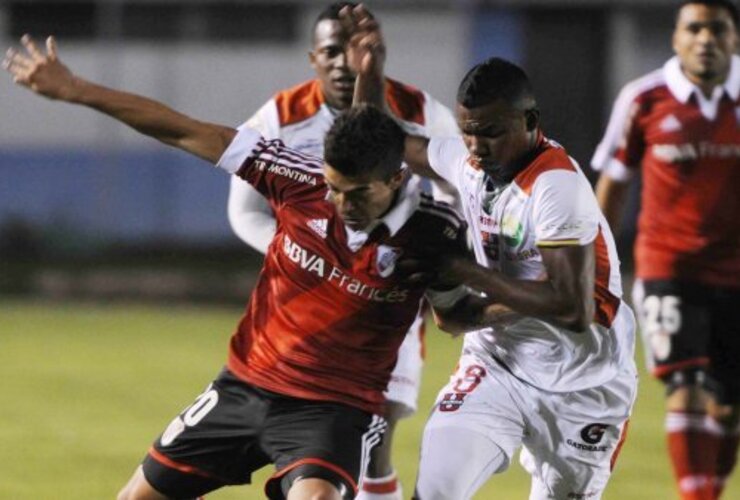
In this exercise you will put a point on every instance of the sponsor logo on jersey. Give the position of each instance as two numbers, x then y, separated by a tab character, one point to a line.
592	435
385	260
670	124
317	265
512	232
676	153
318	226
283	171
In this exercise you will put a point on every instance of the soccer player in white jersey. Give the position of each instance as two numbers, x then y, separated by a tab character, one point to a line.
300	116
547	364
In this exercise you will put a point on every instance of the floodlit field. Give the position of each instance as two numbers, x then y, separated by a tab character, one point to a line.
86	388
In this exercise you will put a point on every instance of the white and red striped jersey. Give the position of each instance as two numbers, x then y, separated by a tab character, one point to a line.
688	149
300	117
549	203
328	313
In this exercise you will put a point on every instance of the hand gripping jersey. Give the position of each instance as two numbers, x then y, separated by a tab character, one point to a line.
688	147
328	313
549	203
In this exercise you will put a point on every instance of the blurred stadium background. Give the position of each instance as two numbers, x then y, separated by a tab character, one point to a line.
120	280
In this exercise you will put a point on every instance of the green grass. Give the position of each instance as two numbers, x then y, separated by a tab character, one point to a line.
86	388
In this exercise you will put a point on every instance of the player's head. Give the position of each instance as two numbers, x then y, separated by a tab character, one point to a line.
328	57
363	152
705	38
498	116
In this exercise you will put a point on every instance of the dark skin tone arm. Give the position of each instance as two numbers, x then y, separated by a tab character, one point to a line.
44	74
564	298
366	53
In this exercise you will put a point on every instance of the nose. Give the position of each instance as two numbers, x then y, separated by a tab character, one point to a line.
340	60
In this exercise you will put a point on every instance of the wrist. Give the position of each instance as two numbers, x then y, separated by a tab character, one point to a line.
74	92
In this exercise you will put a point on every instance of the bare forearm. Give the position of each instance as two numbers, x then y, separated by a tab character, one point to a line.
612	197
154	119
540	299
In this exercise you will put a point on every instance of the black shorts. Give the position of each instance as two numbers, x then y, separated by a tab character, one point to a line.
232	429
690	327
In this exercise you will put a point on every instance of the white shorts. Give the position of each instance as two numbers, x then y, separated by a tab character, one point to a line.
569	441
405	382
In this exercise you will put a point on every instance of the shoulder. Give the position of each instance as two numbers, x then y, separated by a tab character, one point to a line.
299	102
405	101
552	158
643	90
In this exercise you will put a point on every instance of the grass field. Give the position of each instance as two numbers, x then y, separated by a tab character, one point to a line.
86	388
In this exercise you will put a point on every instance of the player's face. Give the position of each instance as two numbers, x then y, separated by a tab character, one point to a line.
329	60
704	39
495	134
361	200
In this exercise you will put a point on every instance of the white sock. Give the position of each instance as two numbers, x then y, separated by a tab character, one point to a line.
380	488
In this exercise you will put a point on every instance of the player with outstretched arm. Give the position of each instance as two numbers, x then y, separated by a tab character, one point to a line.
310	359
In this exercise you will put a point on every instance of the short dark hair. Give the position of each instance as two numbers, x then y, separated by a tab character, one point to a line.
331	12
364	141
728	5
493	79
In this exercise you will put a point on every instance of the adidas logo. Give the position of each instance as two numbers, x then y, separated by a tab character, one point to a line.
318	226
670	124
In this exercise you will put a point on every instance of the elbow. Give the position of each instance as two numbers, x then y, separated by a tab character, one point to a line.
579	317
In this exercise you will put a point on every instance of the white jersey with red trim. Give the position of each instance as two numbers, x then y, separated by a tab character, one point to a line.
549	203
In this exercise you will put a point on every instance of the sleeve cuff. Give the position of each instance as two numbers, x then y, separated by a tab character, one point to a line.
239	150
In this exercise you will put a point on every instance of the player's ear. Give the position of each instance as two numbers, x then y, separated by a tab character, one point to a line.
533	119
312	58
397	179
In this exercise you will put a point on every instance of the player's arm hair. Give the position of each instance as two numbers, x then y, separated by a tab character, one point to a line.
564	297
45	75
611	195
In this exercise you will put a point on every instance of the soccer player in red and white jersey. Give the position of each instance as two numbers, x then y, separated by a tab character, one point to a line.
679	127
300	116
547	363
313	353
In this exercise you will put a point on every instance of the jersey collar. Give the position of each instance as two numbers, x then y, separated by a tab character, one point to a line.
406	204
682	88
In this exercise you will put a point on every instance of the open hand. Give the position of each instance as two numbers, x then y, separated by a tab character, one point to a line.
41	72
366	48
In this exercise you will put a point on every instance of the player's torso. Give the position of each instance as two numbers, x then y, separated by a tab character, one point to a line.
691	181
503	226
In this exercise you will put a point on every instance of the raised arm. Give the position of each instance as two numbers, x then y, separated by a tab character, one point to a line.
43	73
366	53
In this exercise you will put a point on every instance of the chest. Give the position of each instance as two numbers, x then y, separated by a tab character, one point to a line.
307	136
310	250
503	228
680	135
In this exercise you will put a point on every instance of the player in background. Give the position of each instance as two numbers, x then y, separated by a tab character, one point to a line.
313	353
300	116
547	363
679	127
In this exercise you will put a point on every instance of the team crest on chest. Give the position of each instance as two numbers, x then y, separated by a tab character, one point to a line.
385	260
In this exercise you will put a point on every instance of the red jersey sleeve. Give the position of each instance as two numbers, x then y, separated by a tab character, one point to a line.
275	170
622	148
